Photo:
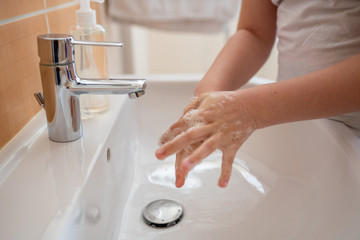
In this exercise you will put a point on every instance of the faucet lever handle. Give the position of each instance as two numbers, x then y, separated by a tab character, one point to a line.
40	98
57	49
100	44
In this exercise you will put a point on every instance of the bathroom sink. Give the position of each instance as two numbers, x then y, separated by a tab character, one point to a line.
292	181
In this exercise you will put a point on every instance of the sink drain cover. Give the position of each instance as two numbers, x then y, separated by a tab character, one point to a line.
163	213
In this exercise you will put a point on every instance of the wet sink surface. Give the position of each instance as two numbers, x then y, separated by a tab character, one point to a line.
293	181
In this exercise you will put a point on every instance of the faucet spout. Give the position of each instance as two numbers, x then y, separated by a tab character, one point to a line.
108	86
62	86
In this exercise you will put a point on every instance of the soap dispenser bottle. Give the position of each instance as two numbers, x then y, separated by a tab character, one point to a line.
90	61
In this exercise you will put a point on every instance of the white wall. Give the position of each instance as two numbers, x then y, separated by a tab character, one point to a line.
168	52
149	51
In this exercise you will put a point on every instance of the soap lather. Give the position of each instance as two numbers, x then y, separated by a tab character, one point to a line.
62	86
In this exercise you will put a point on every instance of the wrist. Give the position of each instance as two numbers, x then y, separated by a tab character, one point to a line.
246	109
250	104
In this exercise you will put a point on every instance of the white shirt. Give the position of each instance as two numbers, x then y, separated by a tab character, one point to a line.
315	34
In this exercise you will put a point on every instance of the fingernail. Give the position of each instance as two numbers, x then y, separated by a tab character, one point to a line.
223	182
179	182
160	153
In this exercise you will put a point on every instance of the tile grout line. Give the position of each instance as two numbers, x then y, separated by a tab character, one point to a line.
46	17
36	13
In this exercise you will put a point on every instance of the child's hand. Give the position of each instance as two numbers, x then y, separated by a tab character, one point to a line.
215	120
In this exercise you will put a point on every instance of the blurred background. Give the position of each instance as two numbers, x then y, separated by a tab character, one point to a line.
160	36
152	50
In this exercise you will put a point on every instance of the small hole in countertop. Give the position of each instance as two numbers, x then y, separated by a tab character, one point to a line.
108	155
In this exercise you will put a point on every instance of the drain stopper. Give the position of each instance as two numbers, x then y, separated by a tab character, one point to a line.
163	213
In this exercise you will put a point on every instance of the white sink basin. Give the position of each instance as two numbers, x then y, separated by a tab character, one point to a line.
291	181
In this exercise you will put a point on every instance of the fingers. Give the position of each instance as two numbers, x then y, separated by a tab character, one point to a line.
182	167
187	120
226	167
204	150
193	105
179	124
183	140
187	160
179	171
172	132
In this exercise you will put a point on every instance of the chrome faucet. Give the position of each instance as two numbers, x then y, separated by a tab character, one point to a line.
62	86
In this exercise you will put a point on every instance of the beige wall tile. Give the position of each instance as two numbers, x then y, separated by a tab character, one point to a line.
13	8
19	64
19	74
53	3
61	21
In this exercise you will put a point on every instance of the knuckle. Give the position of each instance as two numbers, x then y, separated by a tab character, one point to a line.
187	137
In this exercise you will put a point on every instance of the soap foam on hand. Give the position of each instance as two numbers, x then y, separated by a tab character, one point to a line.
224	124
191	120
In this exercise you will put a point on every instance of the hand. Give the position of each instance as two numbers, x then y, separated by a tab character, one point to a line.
215	120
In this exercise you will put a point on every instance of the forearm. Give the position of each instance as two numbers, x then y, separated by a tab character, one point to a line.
328	92
239	60
246	50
